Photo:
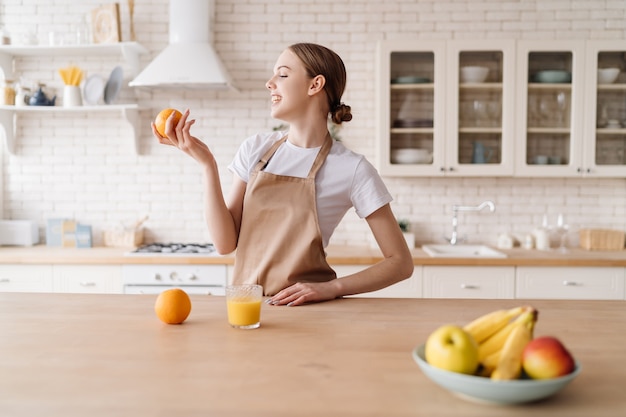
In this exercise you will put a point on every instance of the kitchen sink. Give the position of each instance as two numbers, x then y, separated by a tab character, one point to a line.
462	251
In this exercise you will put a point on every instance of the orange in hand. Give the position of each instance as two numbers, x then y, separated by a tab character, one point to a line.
173	306
162	118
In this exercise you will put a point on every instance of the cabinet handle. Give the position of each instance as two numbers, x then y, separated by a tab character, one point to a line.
442	169
571	283
470	286
579	170
87	284
5	279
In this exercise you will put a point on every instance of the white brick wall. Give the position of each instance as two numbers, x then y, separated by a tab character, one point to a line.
81	167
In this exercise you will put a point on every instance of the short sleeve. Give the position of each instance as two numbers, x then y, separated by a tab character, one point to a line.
369	192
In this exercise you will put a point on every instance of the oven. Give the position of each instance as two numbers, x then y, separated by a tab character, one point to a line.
159	274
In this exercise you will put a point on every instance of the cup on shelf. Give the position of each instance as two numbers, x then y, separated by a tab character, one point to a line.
541	160
554	160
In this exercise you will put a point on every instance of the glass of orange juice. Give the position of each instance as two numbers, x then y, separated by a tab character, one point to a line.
243	303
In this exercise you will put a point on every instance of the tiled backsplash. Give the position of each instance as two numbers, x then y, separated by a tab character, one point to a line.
80	165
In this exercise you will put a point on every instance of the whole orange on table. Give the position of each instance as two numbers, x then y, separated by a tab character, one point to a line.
173	306
162	118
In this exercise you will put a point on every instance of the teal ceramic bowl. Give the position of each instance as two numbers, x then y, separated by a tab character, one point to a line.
553	76
485	390
410	80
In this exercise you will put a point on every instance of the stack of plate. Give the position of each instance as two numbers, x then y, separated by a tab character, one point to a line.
95	87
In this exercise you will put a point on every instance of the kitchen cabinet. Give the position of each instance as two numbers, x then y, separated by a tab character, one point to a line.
469	282
564	130
88	279
9	115
433	121
571	283
408	288
604	149
26	278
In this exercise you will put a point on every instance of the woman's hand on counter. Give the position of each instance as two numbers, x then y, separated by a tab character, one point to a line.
305	292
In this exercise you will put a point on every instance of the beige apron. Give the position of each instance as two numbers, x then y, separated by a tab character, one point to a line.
280	242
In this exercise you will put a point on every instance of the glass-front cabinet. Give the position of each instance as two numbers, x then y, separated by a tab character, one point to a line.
479	109
550	92
446	108
553	108
411	101
604	149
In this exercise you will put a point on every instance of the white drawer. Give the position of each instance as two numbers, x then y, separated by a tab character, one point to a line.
88	279
573	283
27	278
469	282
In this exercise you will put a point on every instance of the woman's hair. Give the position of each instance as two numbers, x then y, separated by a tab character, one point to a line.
319	60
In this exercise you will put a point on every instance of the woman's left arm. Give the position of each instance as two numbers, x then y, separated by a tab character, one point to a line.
396	266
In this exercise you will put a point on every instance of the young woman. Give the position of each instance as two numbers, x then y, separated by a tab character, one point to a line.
291	189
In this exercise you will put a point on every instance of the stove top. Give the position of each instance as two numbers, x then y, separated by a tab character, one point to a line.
186	249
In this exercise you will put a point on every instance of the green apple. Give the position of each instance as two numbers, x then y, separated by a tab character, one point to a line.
451	348
546	357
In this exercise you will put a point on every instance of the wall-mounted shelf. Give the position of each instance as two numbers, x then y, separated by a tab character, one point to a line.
10	114
130	51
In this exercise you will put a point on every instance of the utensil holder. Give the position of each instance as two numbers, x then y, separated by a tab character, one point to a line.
72	96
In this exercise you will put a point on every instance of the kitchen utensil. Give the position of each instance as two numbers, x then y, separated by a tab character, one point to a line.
40	98
93	89
71	75
486	390
474	74
607	75
131	14
113	85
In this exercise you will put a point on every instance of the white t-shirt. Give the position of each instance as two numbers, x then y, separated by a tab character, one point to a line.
345	180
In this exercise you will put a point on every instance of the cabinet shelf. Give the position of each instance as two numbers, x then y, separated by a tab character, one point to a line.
420	86
481	86
130	51
411	130
611	87
550	86
549	130
611	131
9	115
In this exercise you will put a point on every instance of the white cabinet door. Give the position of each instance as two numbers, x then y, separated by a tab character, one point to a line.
408	288
26	278
88	278
480	114
604	152
572	283
469	281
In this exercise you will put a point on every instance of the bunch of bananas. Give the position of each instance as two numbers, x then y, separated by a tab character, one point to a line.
502	336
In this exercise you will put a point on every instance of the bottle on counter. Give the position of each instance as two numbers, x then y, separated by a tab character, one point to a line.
529	241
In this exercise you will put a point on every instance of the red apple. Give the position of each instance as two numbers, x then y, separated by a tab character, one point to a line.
546	357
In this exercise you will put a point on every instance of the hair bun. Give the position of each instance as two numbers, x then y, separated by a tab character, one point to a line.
341	113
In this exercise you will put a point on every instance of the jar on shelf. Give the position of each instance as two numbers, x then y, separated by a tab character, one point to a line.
22	95
7	93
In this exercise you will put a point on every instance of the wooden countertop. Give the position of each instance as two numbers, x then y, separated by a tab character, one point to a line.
337	255
108	355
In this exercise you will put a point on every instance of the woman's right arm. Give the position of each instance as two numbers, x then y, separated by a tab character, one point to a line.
223	219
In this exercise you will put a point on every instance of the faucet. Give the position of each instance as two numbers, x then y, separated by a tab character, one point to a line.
454	239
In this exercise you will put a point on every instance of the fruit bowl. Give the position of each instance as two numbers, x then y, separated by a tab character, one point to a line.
486	390
607	75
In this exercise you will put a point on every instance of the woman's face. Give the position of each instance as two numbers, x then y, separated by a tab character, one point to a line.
289	87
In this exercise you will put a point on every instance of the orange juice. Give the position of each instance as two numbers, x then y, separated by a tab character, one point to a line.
244	312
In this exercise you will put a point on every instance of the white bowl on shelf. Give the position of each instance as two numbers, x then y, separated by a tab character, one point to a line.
607	75
474	74
411	156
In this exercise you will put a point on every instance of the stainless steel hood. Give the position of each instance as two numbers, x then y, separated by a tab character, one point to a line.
189	61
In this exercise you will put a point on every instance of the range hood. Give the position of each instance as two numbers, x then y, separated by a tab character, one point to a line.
189	61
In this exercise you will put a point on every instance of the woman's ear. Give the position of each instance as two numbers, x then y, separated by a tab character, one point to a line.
317	84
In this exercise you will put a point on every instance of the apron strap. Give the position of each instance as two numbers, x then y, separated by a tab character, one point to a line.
319	159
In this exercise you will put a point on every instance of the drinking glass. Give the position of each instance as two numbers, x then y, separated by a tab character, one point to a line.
243	304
